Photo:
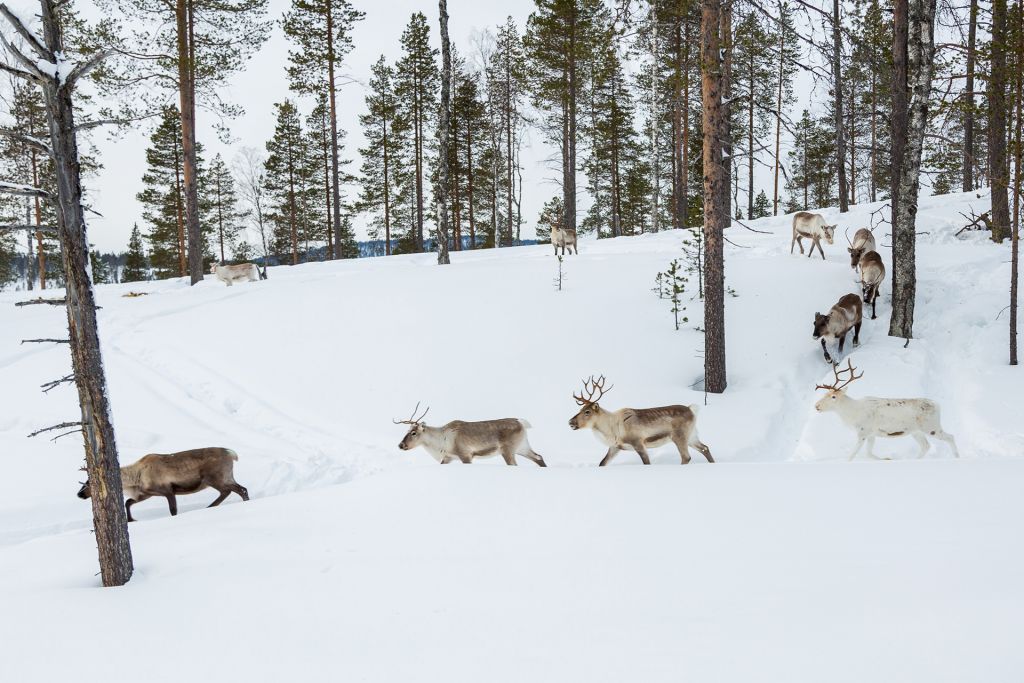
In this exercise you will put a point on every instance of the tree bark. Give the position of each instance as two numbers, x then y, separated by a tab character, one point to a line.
778	117
716	196
109	519
968	162
1000	171
335	163
1018	157
186	91
443	134
725	72
655	114
837	88
915	61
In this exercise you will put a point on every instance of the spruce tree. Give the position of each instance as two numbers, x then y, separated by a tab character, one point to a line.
469	141
508	74
786	61
226	217
378	186
290	174
416	86
752	80
163	198
322	32
136	267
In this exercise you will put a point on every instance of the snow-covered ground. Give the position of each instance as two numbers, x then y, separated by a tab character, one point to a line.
782	562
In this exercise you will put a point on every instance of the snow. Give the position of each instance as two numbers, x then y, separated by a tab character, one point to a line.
780	562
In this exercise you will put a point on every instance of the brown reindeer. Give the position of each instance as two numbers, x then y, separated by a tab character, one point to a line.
636	429
561	237
863	242
812	226
872	275
178	474
846	314
469	440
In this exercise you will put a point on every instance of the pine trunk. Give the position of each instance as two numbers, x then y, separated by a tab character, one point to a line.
109	519
469	187
1018	157
837	88
186	90
968	161
778	119
725	73
655	114
716	196
335	163
1000	171
443	135
914	62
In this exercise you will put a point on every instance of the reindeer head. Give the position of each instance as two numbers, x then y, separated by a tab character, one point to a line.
820	325
415	434
213	268
837	389
829	231
855	252
593	390
84	492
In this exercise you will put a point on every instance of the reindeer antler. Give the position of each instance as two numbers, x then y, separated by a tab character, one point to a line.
413	420
848	237
843	377
590	387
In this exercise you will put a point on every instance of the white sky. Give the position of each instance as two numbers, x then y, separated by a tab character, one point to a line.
263	82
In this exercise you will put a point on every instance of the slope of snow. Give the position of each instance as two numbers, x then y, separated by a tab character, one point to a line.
766	563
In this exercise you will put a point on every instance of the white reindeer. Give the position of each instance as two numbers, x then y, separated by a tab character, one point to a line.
812	226
887	417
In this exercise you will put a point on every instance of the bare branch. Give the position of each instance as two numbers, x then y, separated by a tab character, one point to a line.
62	425
28	226
24	191
35	143
28	64
43	341
28	36
87	66
66	379
41	300
17	72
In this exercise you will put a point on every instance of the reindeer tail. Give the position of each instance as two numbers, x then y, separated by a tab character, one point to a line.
526	425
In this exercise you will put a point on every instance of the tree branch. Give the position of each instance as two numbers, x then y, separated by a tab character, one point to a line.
66	379
43	341
28	36
41	300
85	67
24	191
62	425
17	72
28	226
35	143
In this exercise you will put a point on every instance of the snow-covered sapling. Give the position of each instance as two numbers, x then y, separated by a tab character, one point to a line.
673	282
560	278
873	417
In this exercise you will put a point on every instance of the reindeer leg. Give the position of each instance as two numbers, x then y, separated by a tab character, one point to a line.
530	454
703	449
466	459
922	442
842	341
684	449
240	490
874	298
856	335
509	456
642	452
948	438
612	451
856	449
128	505
828	358
821	251
172	503
220	499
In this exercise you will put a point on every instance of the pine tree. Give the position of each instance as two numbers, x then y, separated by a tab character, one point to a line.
290	174
322	31
226	216
469	122
560	46
136	267
191	47
552	213
872	57
416	86
787	60
378	193
762	207
812	175
507	72
753	81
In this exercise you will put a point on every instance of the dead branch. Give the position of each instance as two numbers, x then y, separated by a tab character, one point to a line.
763	232
25	191
43	341
41	300
26	226
35	143
67	379
27	36
974	222
62	425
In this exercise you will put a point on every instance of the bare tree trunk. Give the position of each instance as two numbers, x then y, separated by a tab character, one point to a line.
41	253
914	61
655	114
968	162
725	41
335	163
109	517
677	126
874	135
685	159
444	136
1018	155
186	91
387	189
716	195
999	178
778	118
750	137
837	88
569	175
469	187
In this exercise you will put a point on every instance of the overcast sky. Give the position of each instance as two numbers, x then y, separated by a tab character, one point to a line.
263	82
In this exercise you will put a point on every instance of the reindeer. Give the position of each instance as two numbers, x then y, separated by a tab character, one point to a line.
872	275
846	314
177	473
243	272
812	226
863	242
637	429
873	417
561	237
469	440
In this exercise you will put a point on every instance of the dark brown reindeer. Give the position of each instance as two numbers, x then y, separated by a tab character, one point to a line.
843	317
468	440
636	429
178	474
